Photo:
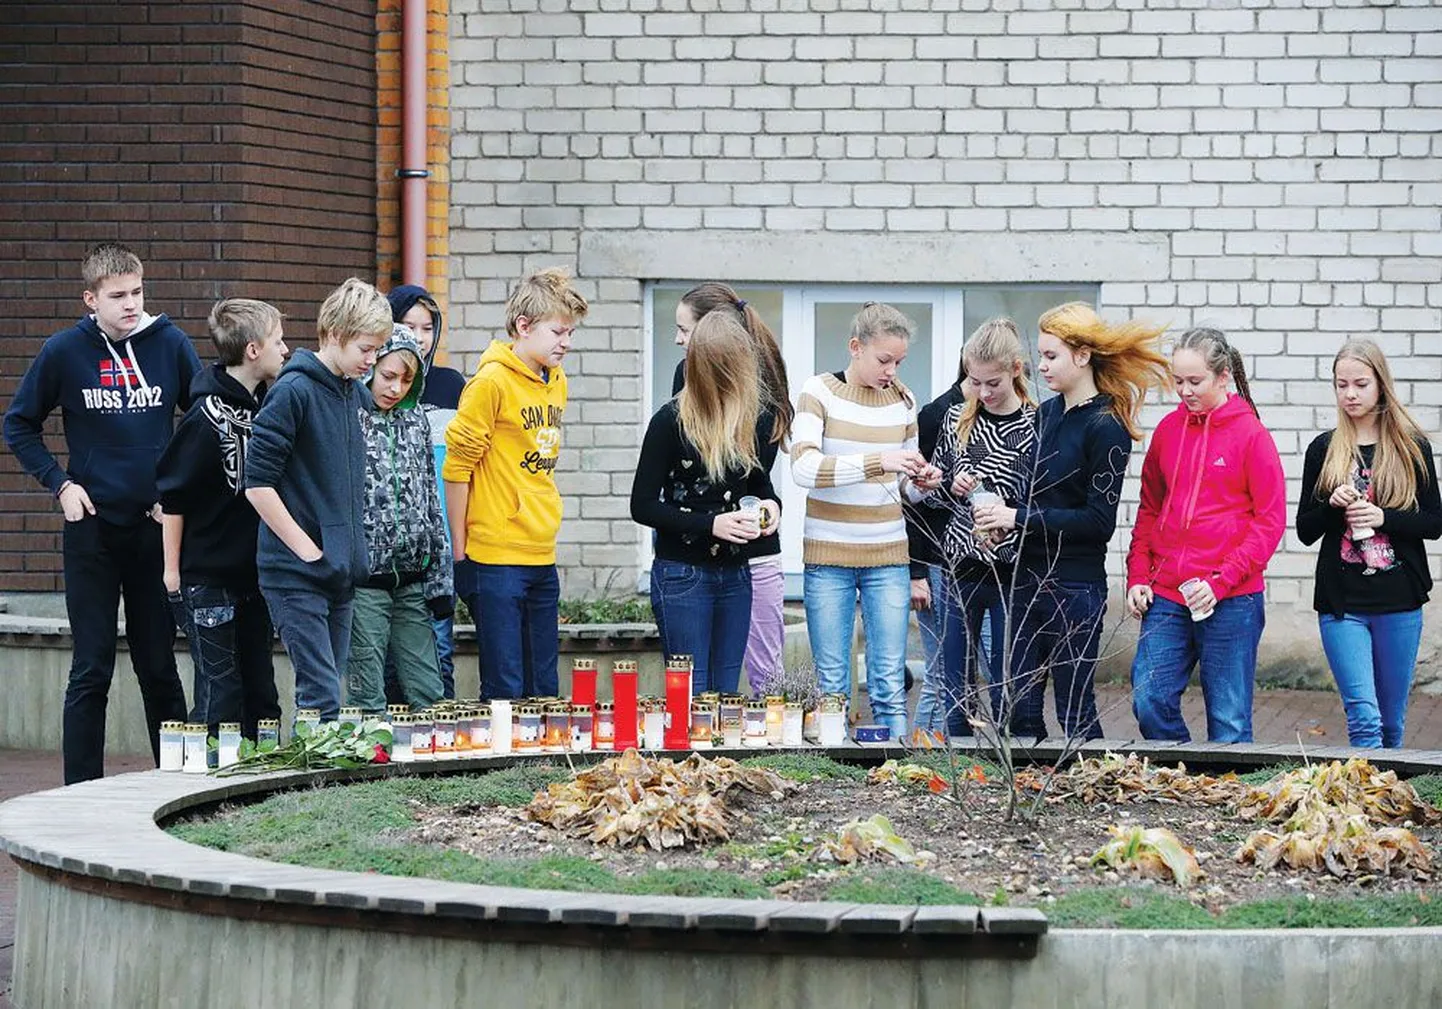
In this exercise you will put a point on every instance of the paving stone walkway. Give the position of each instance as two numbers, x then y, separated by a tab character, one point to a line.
1280	716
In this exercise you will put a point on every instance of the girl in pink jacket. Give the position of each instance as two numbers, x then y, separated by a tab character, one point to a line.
1213	510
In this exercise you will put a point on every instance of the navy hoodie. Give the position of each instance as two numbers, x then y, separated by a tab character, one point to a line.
306	443
117	401
201	477
1071	512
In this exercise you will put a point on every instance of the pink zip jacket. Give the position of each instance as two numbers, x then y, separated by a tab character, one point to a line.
1214	503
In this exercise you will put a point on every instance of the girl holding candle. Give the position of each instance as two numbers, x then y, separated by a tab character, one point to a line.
768	583
1369	493
1213	509
984	444
698	460
1100	373
854	442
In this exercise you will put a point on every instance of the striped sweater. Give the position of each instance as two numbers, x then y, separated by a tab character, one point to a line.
853	509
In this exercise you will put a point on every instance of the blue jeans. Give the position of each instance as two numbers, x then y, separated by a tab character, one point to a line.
230	647
1058	634
315	630
1225	646
830	595
516	609
966	691
704	611
1372	656
934	626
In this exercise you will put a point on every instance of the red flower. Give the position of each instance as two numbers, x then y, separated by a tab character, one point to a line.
381	757
937	784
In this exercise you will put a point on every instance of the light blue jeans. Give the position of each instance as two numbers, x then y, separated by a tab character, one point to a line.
830	595
1372	656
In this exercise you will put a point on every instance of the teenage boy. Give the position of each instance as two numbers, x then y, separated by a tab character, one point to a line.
410	560
117	376
501	495
306	478
413	305
210	528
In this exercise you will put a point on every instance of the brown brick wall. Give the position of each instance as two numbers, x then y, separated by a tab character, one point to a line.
232	145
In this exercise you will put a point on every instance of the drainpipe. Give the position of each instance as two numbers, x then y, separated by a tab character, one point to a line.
413	172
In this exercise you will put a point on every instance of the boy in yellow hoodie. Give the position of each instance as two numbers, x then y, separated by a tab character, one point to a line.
501	499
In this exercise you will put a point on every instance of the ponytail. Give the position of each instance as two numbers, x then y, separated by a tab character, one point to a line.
1239	376
1218	356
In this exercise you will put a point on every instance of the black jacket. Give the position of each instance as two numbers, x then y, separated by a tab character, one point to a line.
201	477
1316	519
307	443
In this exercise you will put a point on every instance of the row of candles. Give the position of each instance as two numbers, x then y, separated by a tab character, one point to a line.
454	729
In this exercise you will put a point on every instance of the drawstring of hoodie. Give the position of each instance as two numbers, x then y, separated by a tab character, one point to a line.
134	365
1201	471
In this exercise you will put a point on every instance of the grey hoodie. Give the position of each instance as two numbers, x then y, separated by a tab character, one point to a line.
306	442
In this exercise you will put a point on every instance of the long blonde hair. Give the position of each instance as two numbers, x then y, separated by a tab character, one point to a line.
721	401
1125	360
996	341
1398	458
711	297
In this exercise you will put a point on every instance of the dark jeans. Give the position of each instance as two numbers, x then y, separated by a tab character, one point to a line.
316	632
962	697
1058	633
230	644
1224	646
704	611
102	561
516	609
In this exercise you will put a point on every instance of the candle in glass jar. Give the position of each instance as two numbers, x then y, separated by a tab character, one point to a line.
193	758
754	724
557	727
792	717
445	736
582	726
701	721
423	736
228	751
624	685
583	682
603	733
481	729
775	716
402	727
653	727
172	746
678	702
528	727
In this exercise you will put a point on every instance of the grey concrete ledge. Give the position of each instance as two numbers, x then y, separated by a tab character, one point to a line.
866	257
149	919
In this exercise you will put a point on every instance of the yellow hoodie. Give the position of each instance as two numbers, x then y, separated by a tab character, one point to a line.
504	440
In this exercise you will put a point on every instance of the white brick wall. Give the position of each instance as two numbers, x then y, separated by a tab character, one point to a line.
1290	152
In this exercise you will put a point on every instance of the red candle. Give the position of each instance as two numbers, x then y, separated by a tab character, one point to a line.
678	703
583	682
624	682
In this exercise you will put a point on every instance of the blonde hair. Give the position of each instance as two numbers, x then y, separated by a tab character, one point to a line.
1398	458
720	403
109	259
545	294
1218	355
1125	361
236	322
995	341
712	297
876	319
353	310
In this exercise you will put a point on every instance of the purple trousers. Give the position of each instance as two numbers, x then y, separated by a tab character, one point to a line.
763	643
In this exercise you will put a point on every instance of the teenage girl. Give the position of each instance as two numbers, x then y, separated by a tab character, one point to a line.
1213	509
984	445
1369	493
1100	373
853	444
768	583
698	460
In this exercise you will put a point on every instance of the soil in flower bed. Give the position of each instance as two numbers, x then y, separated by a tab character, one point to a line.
472	828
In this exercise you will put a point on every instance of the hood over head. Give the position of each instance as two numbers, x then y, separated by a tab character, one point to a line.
403	341
406	297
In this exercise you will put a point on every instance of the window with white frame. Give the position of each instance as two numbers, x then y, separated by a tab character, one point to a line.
812	324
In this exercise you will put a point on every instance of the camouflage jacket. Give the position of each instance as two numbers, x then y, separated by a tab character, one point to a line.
404	516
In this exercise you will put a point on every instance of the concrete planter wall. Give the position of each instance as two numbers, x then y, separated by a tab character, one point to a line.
132	916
